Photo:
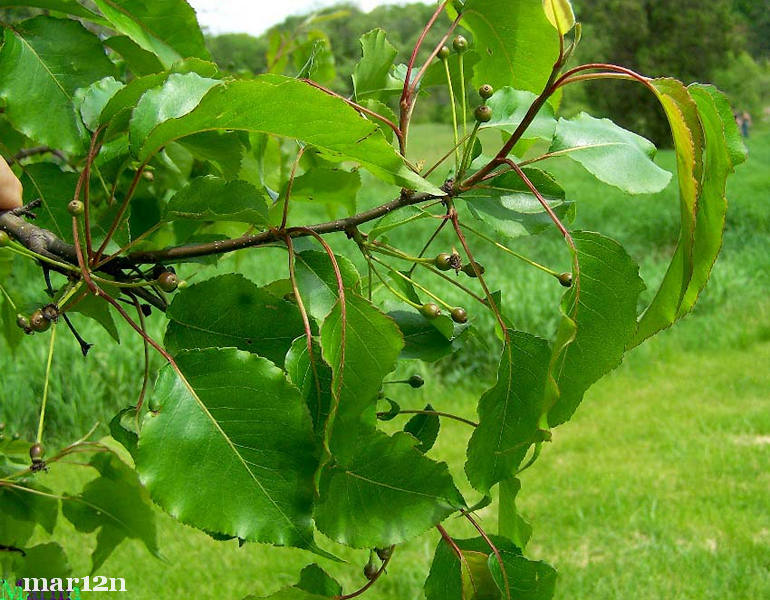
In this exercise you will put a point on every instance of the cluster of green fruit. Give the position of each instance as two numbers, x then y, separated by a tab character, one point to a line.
483	112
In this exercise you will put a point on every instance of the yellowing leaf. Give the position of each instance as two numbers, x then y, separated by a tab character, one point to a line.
560	14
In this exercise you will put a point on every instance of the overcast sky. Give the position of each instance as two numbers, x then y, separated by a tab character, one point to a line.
255	16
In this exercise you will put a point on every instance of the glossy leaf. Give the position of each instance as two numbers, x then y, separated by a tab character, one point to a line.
230	106
612	154
601	308
509	107
516	44
507	206
371	77
230	448
210	198
70	7
178	96
167	28
317	281
115	504
230	311
425	428
386	493
138	60
509	412
94	98
315	384
42	62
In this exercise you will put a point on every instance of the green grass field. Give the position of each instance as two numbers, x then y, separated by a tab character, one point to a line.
658	488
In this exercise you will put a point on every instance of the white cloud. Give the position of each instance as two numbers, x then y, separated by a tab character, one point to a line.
254	17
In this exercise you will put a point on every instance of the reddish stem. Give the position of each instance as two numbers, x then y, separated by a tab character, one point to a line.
459	553
121	212
289	186
371	582
406	102
305	319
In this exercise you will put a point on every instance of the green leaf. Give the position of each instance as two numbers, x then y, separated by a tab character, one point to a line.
223	149
117	505
47	561
314	580
231	311
526	579
510	106
385	494
43	61
371	76
507	205
511	524
125	434
560	14
230	106
94	98
55	188
210	198
11	332
425	428
138	60
230	448
361	345
317	281
612	154
23	506
315	384
167	28
601	305
178	96
331	187
70	7
124	101
516	44
509	412
426	339
98	310
449	578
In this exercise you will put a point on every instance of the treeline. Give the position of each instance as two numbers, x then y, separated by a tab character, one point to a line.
724	41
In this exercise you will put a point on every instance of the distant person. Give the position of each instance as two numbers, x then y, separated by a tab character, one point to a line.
745	123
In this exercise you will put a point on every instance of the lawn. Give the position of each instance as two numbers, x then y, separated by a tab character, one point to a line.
658	488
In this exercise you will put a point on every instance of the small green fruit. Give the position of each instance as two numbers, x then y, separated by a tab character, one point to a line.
36	452
566	279
168	281
444	53
75	208
38	322
459	315
430	310
444	261
483	114
370	571
416	382
486	91
460	44
5	239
